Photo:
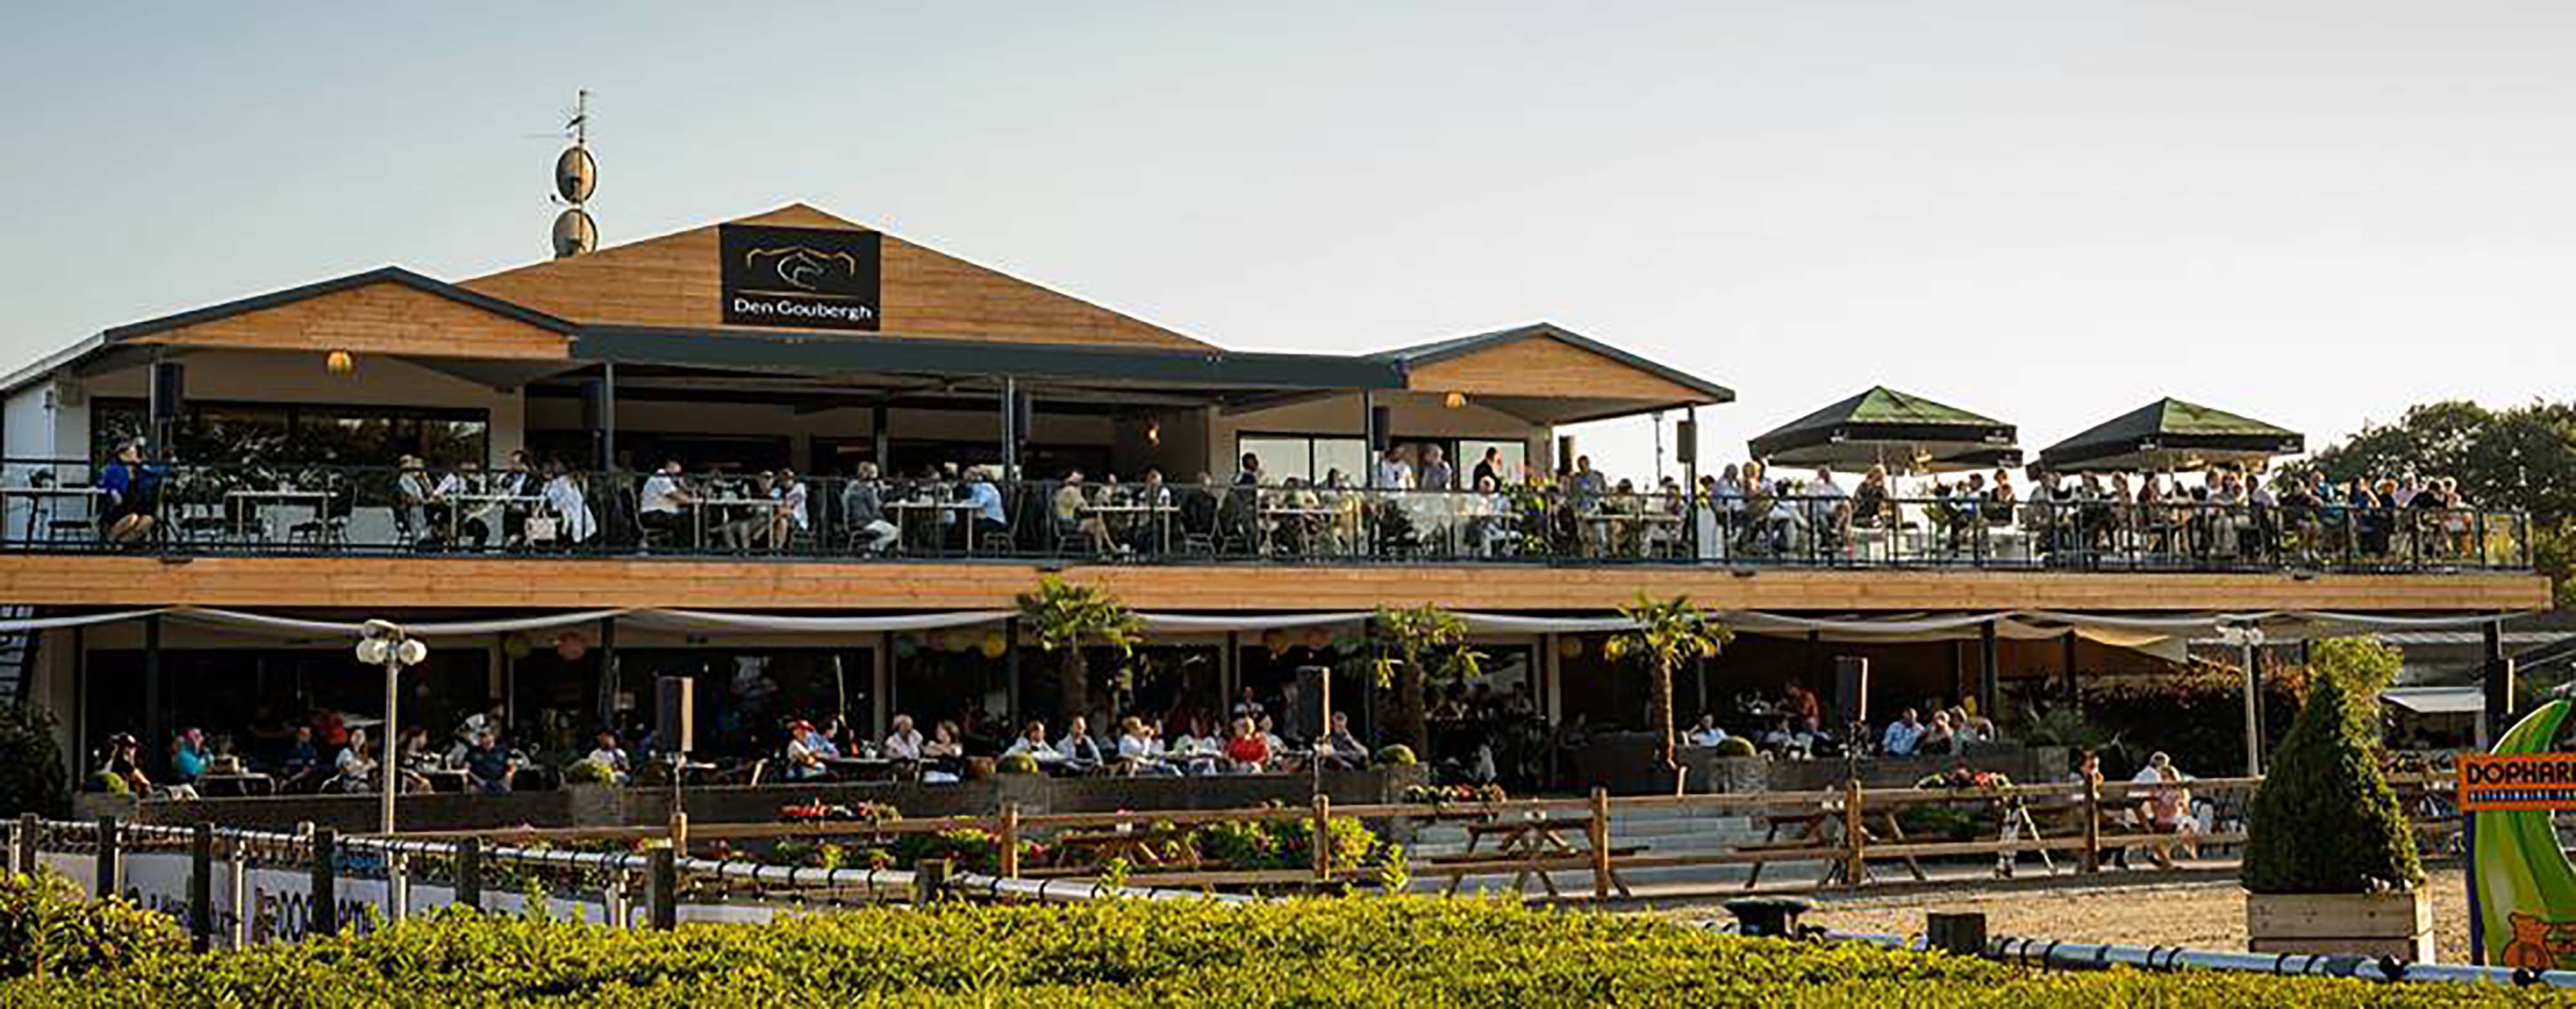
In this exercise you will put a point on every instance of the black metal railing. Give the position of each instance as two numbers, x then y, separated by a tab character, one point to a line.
215	510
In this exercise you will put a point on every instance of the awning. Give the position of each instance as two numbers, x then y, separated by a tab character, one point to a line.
2437	700
822	353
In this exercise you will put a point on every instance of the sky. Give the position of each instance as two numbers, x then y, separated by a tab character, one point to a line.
2050	212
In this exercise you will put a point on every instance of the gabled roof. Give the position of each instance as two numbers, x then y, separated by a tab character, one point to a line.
335	285
1420	355
2167	432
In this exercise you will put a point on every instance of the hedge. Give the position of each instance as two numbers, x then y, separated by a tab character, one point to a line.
1408	952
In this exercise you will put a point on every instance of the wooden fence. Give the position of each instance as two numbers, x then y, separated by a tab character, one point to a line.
1851	831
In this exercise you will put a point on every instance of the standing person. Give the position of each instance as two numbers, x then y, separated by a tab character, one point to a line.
1437	474
1490	467
1392	473
2166	810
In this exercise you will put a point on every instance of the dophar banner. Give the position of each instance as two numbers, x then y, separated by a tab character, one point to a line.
2522	888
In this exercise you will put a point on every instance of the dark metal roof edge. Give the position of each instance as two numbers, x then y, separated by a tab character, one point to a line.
1784	439
1432	353
382	274
2063	453
762	348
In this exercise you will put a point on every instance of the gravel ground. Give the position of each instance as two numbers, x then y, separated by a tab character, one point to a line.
2197	915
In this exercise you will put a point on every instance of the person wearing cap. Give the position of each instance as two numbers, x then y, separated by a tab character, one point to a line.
806	752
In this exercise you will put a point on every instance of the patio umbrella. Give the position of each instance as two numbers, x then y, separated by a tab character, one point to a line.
2170	435
1904	432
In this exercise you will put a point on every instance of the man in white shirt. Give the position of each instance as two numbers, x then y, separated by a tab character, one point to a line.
608	755
904	743
1707	733
1437	474
1081	752
662	506
1903	735
1033	744
1392	473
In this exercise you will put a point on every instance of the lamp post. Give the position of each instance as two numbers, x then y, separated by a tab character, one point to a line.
383	643
2249	637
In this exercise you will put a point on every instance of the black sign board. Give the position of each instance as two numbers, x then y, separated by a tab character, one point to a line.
799	278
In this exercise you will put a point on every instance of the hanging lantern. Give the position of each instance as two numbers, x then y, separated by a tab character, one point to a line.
570	645
1318	638
515	646
995	645
1569	646
340	362
1275	640
1454	400
961	641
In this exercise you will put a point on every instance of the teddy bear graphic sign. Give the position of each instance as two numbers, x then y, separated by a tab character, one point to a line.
2522	888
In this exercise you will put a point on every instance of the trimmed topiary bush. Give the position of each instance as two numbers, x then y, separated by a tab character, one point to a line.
1735	746
49	927
1017	763
2324	821
1395	755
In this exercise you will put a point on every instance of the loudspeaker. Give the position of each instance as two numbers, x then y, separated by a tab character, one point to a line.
1565	453
1686	441
1024	408
1851	690
169	389
1317	681
1381	428
675	713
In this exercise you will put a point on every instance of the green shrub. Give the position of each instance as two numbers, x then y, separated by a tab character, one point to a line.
1389	952
110	784
1395	755
2324	820
589	772
48	926
32	779
1735	746
1017	763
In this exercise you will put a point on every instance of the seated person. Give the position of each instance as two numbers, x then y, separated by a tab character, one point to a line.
663	505
1138	751
904	742
944	755
1033	744
487	764
863	509
1247	751
355	765
1081	752
1075	522
1706	733
806	752
609	755
1343	750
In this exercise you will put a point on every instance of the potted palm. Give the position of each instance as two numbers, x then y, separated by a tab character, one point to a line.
1666	633
2330	862
1414	646
1064	617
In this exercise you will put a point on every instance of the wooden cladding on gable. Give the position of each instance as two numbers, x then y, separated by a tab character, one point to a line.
675	281
1543	367
378	318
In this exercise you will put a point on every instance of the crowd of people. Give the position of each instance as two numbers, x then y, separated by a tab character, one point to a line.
323	751
1248	743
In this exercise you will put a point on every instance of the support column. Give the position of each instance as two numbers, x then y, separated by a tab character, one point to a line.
1369	437
2066	666
1011	433
156	710
881	684
608	671
881	439
2498	675
1011	671
607	415
1552	669
1990	691
2253	709
1227	676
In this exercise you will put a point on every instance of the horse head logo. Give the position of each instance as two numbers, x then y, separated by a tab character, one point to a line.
802	268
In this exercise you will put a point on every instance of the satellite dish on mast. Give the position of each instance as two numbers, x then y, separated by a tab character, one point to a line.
576	175
575	233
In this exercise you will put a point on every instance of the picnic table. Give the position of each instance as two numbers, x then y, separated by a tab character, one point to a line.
1158	846
1528	846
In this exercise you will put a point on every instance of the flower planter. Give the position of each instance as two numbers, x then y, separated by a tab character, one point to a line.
2397	925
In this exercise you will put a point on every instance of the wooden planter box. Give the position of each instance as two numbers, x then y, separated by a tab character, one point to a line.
2398	925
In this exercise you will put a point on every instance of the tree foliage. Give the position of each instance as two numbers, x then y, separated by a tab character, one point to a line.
32	776
1666	634
1414	646
2324	820
2520	458
1064	618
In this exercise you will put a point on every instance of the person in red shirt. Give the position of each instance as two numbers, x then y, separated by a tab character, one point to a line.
1246	749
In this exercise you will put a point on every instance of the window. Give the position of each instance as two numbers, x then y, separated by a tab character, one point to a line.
292	434
1307	457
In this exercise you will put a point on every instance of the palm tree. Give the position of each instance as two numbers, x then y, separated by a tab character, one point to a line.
1666	633
1064	617
1415	645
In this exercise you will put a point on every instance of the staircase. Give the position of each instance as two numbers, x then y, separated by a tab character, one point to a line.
17	655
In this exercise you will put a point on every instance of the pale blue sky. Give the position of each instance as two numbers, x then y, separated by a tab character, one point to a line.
2052	211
